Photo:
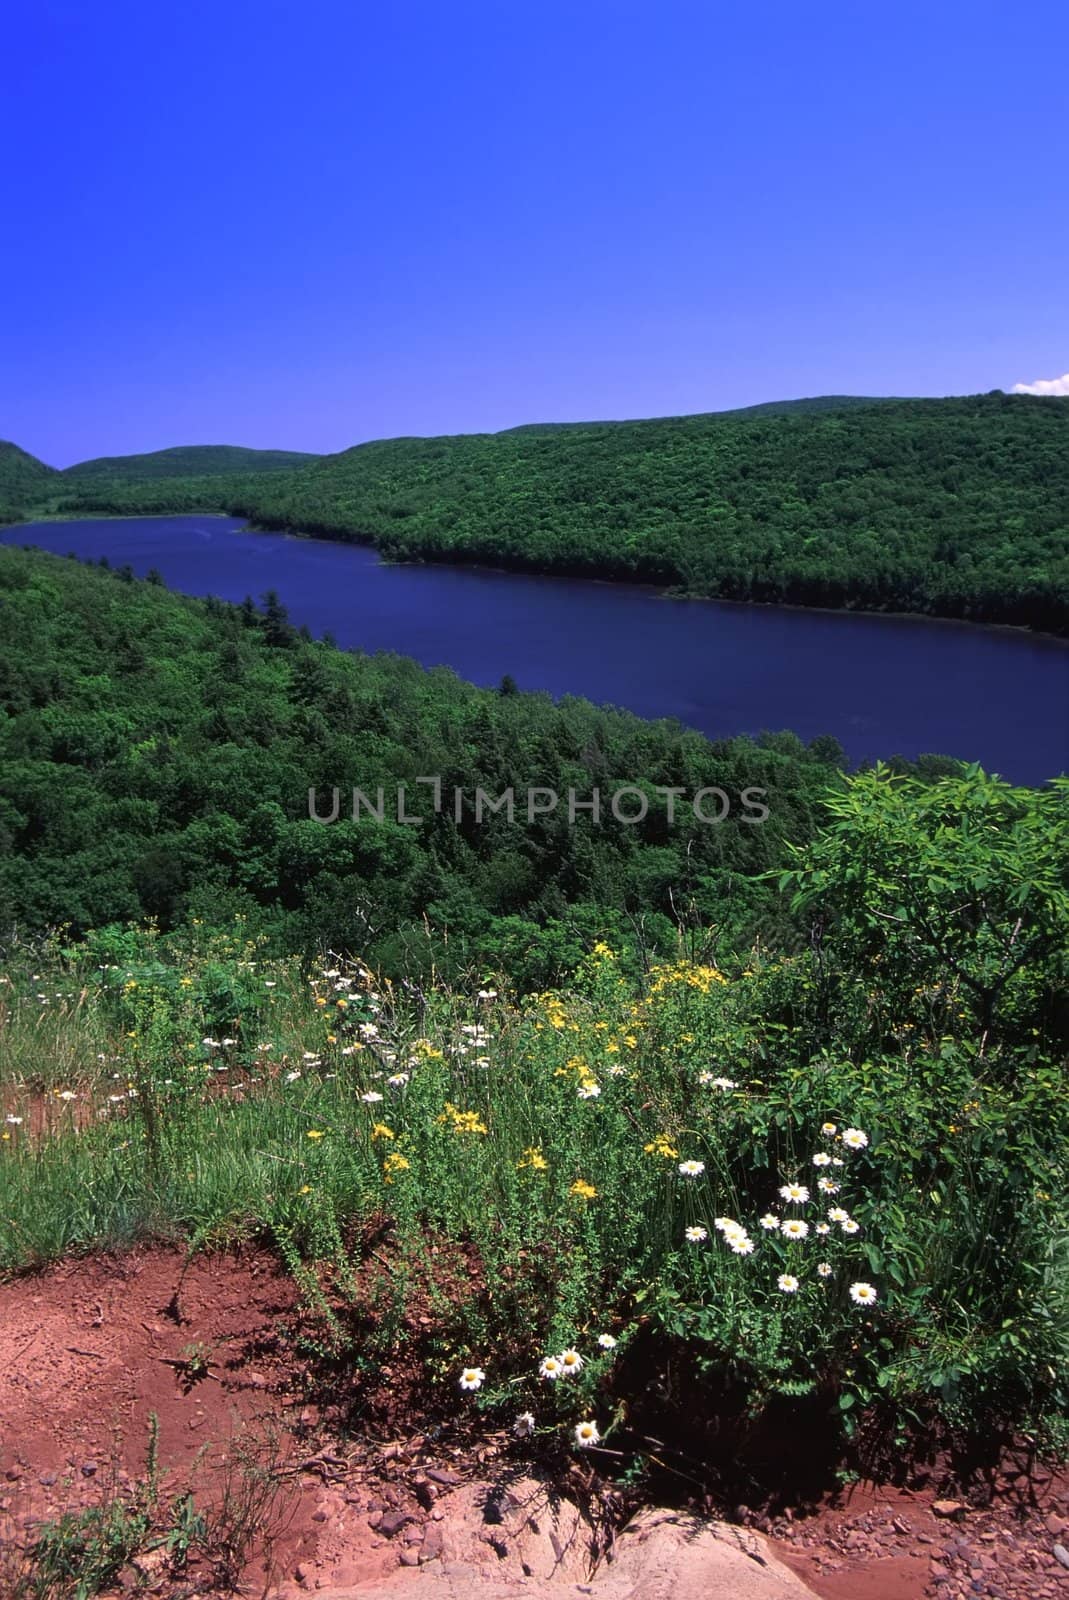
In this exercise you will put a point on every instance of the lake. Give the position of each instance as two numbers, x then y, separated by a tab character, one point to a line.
882	685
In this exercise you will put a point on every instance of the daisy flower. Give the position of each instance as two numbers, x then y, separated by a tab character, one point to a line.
472	1378
797	1193
372	1097
549	1368
741	1244
727	1225
606	1341
828	1129
863	1294
794	1228
571	1364
768	1222
787	1283
822	1228
828	1186
524	1425
692	1169
850	1226
586	1434
824	1269
822	1159
837	1214
588	1091
697	1235
854	1139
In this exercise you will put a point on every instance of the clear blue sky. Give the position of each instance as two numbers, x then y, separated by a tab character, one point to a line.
307	224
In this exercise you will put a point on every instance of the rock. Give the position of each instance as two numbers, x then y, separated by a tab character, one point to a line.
89	1469
410	1557
433	1542
1056	1525
1061	1555
947	1508
444	1475
392	1522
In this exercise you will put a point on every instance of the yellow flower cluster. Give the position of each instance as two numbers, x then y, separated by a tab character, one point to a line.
394	1163
533	1158
661	1145
379	1130
687	974
583	1190
462	1121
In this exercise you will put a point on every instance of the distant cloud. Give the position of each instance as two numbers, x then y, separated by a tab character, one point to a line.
1044	386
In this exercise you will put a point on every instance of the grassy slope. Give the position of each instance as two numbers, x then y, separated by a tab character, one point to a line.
23	479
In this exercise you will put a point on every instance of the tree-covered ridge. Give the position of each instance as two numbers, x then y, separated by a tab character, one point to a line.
190	461
156	754
23	479
953	507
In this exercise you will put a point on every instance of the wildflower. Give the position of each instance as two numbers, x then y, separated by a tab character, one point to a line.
589	1090
796	1193
823	1269
854	1139
379	1130
394	1162
822	1159
863	1294
828	1186
741	1244
661	1145
768	1222
828	1129
696	1235
372	1097
472	1378
692	1169
549	1368
794	1228
67	1094
837	1214
586	1434
583	1190
822	1228
787	1283
291	1077
533	1158
398	1080
16	1122
571	1364
606	1341
850	1226
315	1133
524	1425
306	1188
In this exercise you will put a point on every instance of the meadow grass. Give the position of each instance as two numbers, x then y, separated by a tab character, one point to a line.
628	1165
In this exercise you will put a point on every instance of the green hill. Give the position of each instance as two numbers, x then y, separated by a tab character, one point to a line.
191	461
23	479
956	507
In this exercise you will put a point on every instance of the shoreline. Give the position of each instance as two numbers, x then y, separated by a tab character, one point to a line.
1017	628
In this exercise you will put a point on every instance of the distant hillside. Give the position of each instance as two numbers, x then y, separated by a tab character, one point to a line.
769	408
191	461
23	479
956	507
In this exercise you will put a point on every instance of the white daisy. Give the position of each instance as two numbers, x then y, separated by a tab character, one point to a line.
822	1228
850	1226
854	1139
828	1186
768	1222
571	1364
794	1228
787	1283
863	1294
606	1341
524	1425
697	1235
472	1378
692	1169
588	1091
372	1097
837	1214
741	1245
822	1159
828	1129
796	1193
549	1368
824	1269
586	1434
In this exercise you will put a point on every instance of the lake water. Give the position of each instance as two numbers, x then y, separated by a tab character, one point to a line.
882	685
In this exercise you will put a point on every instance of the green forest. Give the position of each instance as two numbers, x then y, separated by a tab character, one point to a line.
956	508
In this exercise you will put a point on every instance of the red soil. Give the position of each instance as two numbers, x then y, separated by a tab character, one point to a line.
90	1349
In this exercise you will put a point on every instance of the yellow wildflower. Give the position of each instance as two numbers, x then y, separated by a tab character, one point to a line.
379	1130
583	1190
534	1159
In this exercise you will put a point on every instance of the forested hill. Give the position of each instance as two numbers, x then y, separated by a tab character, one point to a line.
23	479
190	461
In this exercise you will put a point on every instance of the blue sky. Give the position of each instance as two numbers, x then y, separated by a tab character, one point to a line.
304	225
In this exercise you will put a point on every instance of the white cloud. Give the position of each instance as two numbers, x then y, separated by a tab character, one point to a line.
1044	386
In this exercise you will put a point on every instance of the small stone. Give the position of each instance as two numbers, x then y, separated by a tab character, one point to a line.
1061	1555
947	1508
392	1522
89	1469
1056	1525
49	1478
410	1556
443	1475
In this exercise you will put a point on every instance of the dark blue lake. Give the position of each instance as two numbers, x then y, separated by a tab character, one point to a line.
881	685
